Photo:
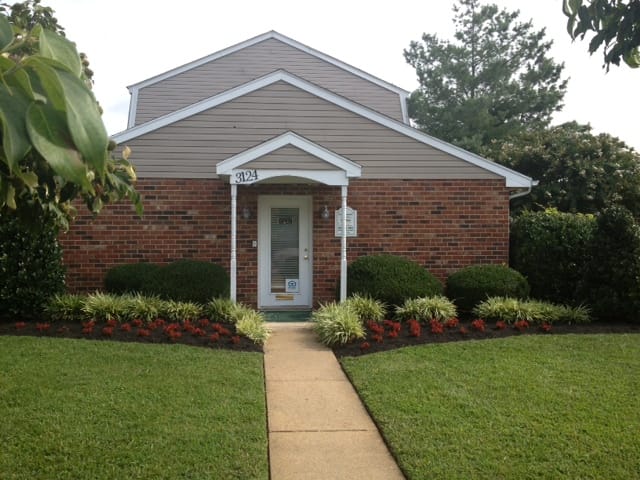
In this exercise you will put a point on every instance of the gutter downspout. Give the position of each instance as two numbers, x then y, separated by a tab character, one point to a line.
525	192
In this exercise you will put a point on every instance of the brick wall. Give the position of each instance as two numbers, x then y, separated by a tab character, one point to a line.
443	225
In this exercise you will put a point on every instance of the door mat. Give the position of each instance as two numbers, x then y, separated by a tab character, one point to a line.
287	315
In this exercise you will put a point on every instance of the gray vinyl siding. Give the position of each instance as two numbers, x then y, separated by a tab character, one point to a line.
191	148
285	157
253	62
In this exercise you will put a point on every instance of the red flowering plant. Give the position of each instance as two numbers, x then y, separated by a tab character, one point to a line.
112	322
375	327
545	327
365	346
478	325
137	323
204	323
214	337
463	331
107	331
198	332
125	327
20	325
436	327
415	329
500	325
392	334
521	325
452	323
43	327
378	338
235	339
143	332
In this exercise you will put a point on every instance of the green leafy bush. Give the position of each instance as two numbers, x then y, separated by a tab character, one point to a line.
220	309
252	325
145	308
551	250
366	308
30	267
65	308
390	279
189	281
472	285
511	310
611	283
425	309
337	324
130	277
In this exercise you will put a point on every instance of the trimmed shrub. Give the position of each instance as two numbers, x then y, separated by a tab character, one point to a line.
612	278
472	285
426	309
366	308
189	281
390	279
551	250
130	277
31	268
337	324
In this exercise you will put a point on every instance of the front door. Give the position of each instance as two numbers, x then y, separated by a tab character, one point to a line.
284	251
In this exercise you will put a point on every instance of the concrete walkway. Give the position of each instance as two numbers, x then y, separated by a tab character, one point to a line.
318	428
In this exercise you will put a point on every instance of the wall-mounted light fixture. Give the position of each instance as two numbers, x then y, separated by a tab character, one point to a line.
324	213
246	213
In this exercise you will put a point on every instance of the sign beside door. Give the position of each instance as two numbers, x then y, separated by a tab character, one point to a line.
284	253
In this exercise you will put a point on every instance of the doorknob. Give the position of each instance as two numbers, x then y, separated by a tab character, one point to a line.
306	257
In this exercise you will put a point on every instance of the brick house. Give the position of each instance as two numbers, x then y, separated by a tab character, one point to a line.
248	157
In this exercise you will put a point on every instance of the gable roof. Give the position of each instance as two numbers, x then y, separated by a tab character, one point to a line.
512	178
260	38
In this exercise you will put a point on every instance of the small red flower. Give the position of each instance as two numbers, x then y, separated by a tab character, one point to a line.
463	331
204	323
89	324
214	337
436	327
107	331
137	323
500	325
365	346
478	325
452	323
143	332
159	322
225	332
87	330
377	338
415	329
125	327
198	332
43	327
216	327
375	327
174	335
112	322
545	327
20	325
392	334
521	325
235	339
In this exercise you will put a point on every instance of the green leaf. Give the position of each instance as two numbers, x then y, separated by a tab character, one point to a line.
45	82
18	78
51	138
10	198
61	50
30	179
84	120
6	32
15	140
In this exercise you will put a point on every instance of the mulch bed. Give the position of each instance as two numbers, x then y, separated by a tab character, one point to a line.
404	339
196	334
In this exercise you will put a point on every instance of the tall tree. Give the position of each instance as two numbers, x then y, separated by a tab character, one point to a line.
578	171
54	145
494	80
616	24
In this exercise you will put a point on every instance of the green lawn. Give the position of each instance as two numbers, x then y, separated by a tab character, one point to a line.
76	409
534	407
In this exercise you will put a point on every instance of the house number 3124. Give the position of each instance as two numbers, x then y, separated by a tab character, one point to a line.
246	176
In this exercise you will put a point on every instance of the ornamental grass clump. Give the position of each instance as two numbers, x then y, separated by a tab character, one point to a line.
104	307
366	308
65	308
252	326
425	309
220	309
144	308
512	310
180	311
337	324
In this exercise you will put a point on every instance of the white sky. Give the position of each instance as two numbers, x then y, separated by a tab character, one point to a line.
130	41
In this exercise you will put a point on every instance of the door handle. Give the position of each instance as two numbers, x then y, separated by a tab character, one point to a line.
306	257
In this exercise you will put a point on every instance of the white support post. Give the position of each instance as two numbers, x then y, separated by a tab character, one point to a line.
343	253
234	216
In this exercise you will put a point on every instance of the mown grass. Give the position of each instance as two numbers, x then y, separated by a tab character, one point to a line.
534	407
75	409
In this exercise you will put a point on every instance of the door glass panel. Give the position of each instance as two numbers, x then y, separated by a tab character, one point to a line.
285	250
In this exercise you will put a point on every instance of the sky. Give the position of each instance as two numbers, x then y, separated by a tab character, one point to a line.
130	41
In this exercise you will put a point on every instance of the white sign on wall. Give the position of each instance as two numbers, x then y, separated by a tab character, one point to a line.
352	222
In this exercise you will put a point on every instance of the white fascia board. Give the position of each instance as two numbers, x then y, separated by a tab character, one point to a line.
350	168
512	178
133	107
260	38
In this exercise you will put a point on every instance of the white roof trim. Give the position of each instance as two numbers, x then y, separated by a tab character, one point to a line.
289	138
512	178
260	38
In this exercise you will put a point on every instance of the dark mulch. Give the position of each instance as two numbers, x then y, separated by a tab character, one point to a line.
195	334
370	345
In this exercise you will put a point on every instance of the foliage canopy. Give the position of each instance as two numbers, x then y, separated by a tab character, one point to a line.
494	80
